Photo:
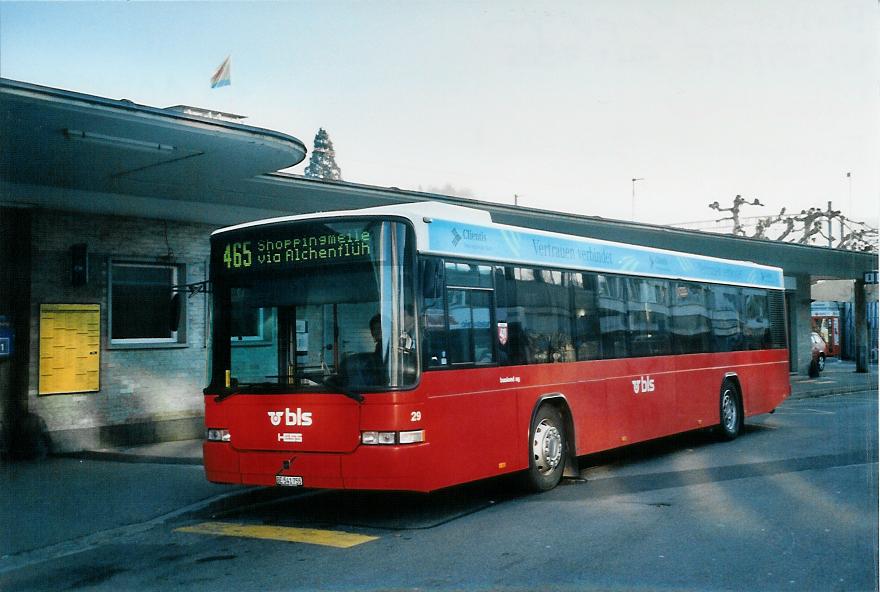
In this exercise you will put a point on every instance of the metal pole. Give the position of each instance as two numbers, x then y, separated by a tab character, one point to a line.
861	325
829	226
849	178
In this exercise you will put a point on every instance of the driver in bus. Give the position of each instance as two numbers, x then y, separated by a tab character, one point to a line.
376	332
406	342
369	369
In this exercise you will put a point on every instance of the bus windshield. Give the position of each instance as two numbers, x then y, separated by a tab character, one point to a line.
314	305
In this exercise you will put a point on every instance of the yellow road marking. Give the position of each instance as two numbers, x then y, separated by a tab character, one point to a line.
328	538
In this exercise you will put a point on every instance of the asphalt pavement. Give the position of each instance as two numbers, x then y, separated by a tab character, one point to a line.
71	500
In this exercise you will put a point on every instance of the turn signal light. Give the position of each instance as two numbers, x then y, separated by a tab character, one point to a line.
390	438
413	437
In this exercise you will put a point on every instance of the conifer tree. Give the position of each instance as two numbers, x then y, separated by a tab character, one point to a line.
322	163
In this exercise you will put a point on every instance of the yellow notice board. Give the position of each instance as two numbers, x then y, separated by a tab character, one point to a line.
70	352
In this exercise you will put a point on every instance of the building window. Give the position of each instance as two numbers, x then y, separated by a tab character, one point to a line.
140	303
250	324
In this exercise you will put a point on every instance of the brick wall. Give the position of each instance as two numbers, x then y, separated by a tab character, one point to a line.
140	388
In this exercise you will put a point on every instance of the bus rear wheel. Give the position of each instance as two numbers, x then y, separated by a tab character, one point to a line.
730	407
547	450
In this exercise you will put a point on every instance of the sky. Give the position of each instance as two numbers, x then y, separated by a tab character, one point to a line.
561	104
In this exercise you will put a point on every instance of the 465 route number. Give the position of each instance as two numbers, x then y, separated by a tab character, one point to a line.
237	255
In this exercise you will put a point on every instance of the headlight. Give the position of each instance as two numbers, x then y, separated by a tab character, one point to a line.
377	438
218	435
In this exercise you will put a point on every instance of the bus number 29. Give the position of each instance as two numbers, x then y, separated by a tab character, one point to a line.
237	255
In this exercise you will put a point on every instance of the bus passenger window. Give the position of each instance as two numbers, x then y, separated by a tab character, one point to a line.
586	316
538	317
470	329
612	315
724	305
648	312
756	319
690	318
433	330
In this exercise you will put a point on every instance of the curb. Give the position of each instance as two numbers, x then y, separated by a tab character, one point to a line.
833	390
212	506
111	456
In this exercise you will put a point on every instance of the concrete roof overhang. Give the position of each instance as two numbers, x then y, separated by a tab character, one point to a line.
224	173
69	150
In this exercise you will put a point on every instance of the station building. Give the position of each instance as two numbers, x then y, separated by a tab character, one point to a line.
106	207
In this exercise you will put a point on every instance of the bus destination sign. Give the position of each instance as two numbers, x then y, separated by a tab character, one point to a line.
294	248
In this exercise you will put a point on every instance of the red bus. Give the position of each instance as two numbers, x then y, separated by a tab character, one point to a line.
420	346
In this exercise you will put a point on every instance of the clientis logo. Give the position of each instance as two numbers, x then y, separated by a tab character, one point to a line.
468	235
291	418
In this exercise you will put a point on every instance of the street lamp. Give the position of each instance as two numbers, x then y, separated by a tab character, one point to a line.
633	216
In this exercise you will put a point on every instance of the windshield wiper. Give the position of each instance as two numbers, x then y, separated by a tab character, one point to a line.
237	387
331	383
328	383
226	392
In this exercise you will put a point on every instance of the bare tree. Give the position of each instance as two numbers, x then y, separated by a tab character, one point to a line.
806	227
738	202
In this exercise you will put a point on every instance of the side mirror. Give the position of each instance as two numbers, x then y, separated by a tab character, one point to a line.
433	278
174	312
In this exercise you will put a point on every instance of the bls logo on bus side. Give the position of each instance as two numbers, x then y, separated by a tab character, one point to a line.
644	384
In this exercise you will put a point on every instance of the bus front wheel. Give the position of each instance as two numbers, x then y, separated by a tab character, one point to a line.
546	449
730	408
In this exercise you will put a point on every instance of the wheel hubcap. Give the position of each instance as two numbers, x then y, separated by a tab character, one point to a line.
547	447
728	411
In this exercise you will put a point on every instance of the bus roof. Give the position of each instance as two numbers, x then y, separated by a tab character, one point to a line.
469	233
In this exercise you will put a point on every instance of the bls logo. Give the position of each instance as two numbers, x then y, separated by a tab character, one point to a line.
645	384
291	418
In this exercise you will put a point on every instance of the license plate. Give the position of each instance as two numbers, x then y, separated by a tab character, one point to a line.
288	481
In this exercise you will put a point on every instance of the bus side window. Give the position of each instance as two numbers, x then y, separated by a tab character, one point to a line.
502	336
611	292
756	319
434	331
470	330
586	316
468	336
690	318
538	317
724	310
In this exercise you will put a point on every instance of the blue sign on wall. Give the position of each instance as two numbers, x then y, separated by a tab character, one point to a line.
6	337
